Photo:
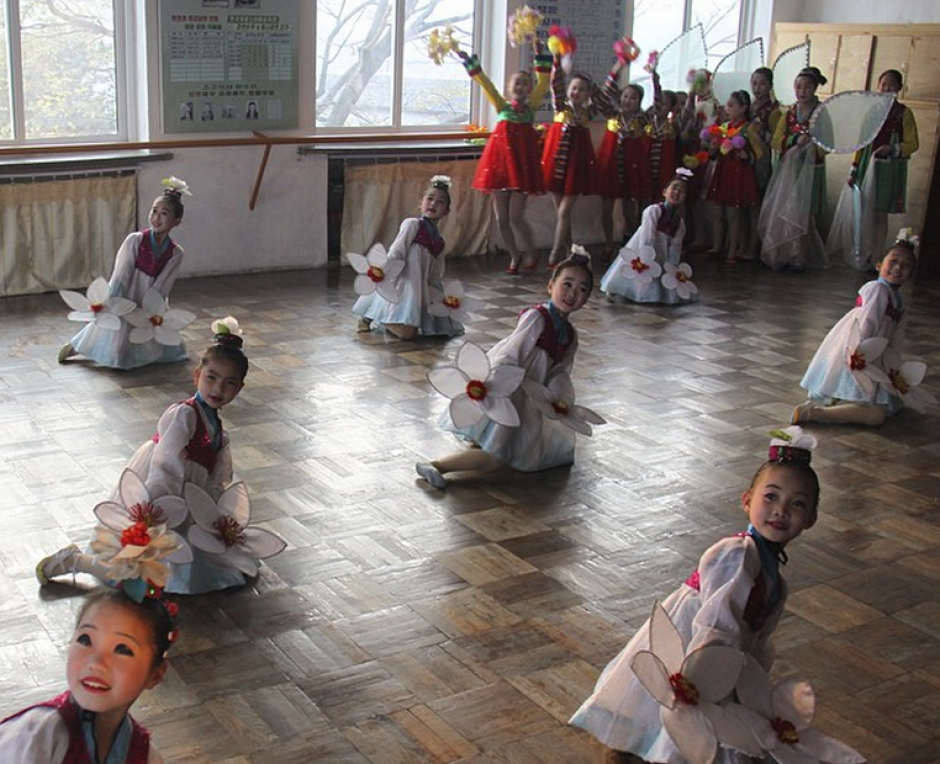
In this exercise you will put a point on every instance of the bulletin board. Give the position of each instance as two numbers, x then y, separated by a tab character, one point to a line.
229	65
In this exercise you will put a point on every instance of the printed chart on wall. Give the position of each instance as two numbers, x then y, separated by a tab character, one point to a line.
229	65
597	25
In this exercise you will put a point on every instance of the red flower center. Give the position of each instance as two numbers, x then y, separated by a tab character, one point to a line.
561	407
452	301
97	307
229	531
786	731
898	380
148	514
375	273
681	277
156	320
476	390
685	691
638	265
135	535
857	361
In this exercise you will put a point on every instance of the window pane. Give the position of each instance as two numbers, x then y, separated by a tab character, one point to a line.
431	94
719	19
354	63
6	122
656	23
69	80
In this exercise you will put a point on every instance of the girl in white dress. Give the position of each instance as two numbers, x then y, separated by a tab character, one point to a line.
420	245
117	651
147	259
632	275
734	598
544	344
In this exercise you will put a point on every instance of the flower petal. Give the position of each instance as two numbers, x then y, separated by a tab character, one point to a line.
730	729
263	543
243	561
504	381
393	268
377	256
132	489
140	335
827	749
81	315
108	321
167	336
654	676
714	670
448	381
501	410
465	412
75	300
389	290
914	372
120	306
174	510
235	503
359	262
754	689
201	506
583	412
472	361
138	318
178	319
98	291
204	540
794	701
665	641
153	303
363	285
691	731
113	515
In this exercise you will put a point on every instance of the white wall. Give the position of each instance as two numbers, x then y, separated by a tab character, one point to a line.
287	228
870	12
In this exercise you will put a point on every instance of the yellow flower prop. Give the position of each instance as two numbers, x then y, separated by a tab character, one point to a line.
441	43
523	25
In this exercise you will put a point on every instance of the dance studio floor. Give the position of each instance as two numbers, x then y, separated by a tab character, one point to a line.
407	625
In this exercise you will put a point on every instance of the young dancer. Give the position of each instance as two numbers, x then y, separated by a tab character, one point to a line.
147	259
420	245
510	166
734	598
797	192
543	343
661	231
839	378
734	182
568	155
892	148
190	446
117	651
765	115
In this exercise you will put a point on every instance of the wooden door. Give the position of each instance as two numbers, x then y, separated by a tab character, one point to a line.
851	72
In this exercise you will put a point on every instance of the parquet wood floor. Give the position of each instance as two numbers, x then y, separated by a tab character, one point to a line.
405	625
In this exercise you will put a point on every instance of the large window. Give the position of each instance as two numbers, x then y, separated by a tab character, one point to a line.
58	72
373	69
657	22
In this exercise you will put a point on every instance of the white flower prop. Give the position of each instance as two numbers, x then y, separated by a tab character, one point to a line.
227	325
689	689
640	265
561	408
439	181
860	357
155	320
904	378
376	273
97	305
221	528
176	185
779	717
678	278
133	539
450	302
476	389
794	437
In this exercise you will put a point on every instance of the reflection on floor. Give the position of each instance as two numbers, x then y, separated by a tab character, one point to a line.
405	624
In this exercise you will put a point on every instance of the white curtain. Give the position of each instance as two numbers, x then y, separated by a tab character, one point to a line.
378	197
61	234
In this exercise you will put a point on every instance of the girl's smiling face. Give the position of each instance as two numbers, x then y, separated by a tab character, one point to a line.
760	86
111	659
569	290
804	88
888	83
218	381
162	216
735	109
434	204
630	99
781	504
897	266
520	87
675	193
578	92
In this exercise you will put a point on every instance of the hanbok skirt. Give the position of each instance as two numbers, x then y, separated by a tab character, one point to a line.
734	183
510	160
578	165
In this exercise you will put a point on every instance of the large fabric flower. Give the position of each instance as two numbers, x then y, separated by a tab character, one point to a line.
376	273
904	378
450	302
133	538
679	278
779	717
476	389
221	528
156	320
860	357
640	264
97	305
689	689
560	406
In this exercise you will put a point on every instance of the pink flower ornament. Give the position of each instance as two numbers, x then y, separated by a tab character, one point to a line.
678	278
779	717
155	320
450	302
904	378
97	305
376	273
689	689
640	264
221	528
559	406
476	389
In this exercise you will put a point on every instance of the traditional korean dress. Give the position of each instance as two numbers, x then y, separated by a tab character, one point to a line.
568	155
734	598
734	182
138	267
767	115
60	732
511	159
878	312
622	167
899	133
663	229
420	245
543	343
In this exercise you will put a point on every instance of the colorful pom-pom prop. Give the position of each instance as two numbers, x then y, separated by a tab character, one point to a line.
626	50
441	43
652	61
523	25
561	41
699	81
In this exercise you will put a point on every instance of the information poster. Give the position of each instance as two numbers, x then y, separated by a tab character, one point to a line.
229	65
597	25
